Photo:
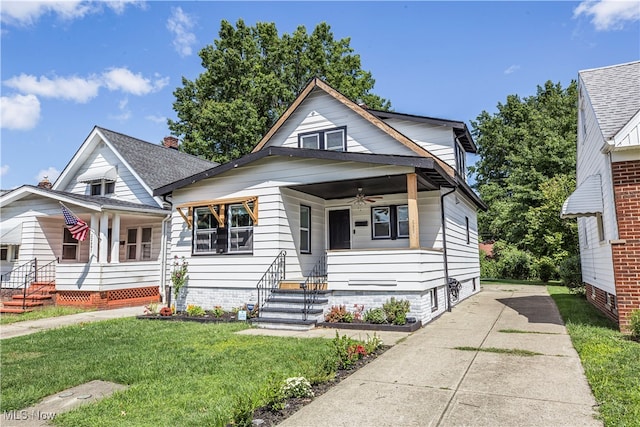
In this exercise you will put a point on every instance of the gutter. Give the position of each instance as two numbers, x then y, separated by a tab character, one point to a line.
444	245
164	253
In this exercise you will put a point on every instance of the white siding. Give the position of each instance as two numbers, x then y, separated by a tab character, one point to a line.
463	257
127	187
595	255
438	140
321	111
107	277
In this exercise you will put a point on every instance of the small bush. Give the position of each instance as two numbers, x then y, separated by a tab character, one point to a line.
371	344
217	311
514	263
375	315
634	323
348	351
488	266
546	269
195	310
297	387
396	311
339	314
570	272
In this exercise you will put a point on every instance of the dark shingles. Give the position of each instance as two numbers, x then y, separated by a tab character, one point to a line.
614	93
155	164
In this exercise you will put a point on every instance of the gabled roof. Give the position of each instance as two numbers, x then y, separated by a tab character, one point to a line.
614	93
317	84
153	164
95	203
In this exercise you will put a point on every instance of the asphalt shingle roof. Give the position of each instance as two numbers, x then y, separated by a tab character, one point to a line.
154	163
614	93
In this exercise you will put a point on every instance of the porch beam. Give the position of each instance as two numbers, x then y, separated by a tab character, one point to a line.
412	196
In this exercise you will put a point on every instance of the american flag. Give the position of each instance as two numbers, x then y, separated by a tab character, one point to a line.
77	227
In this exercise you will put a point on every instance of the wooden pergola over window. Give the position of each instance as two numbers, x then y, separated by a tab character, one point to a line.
186	209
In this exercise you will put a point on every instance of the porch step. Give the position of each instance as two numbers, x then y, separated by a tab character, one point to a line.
18	303
293	300
14	310
282	323
297	291
33	297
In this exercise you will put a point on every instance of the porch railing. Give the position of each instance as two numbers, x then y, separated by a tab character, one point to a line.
17	277
30	277
271	279
315	281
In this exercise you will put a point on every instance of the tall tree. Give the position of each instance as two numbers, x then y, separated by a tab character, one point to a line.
251	76
526	147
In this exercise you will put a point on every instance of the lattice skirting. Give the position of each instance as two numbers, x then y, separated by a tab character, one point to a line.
109	299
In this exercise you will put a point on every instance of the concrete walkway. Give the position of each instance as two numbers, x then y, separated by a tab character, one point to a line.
31	326
425	381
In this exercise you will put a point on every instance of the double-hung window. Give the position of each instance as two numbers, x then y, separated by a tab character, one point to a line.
69	246
305	229
390	222
205	234
328	139
139	243
102	188
240	229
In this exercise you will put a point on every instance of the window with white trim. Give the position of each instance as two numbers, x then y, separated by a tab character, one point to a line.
433	293
9	252
390	222
305	229
600	225
102	188
610	301
139	243
466	220
69	246
334	139
235	237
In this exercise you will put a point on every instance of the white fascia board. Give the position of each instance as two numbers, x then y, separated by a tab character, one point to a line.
77	160
622	134
24	191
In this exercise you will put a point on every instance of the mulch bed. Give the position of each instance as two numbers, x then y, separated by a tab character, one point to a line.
409	327
208	318
265	417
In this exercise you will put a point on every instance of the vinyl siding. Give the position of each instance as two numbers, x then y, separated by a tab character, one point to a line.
463	257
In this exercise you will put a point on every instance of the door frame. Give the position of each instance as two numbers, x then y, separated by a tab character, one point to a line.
327	229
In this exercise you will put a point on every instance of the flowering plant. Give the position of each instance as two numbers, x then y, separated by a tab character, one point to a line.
179	275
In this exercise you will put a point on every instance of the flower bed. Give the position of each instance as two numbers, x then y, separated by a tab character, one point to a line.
180	317
364	326
392	316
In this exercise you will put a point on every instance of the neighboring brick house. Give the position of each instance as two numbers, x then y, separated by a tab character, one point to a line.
607	199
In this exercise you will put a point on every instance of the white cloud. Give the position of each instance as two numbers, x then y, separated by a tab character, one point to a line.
72	88
50	173
181	24
4	169
609	14
125	113
512	69
156	119
124	80
19	112
29	12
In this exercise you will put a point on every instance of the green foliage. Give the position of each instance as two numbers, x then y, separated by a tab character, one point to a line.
297	387
546	269
179	275
195	310
396	311
512	263
375	315
610	361
634	323
570	272
348	351
338	314
527	161
371	344
251	75
217	311
488	266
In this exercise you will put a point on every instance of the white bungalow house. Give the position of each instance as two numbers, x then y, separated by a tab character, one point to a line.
109	184
607	198
344	204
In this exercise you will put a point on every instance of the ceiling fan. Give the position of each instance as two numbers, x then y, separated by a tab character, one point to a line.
361	199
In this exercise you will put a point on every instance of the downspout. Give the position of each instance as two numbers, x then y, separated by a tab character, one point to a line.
444	246
163	255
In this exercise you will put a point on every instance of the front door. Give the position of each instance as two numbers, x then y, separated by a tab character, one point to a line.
339	229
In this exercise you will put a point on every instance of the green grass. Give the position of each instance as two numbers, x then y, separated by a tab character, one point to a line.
179	373
610	360
512	351
514	282
42	313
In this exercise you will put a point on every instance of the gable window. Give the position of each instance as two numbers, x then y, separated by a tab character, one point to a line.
69	246
390	222
305	229
209	237
102	188
328	139
139	243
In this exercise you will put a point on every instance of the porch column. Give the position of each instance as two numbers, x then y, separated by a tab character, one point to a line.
103	252
414	226
93	237
115	237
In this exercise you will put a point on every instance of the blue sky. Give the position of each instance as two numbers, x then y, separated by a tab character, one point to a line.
70	65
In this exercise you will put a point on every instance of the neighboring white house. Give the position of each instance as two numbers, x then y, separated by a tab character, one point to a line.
607	198
109	184
360	205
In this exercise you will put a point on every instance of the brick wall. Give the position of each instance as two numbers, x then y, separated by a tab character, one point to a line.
598	298
626	252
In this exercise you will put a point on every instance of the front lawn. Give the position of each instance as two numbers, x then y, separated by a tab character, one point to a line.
611	361
180	373
40	313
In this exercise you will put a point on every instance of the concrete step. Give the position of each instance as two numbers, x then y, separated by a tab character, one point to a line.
280	323
13	310
19	303
297	291
290	313
295	300
32	297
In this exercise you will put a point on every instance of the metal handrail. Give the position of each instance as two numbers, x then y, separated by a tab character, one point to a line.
271	279
45	275
15	278
313	283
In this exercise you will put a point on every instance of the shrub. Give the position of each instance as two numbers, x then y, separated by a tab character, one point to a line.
514	263
297	387
217	311
396	311
339	314
195	310
546	269
375	315
347	351
570	272
488	266
634	323
371	344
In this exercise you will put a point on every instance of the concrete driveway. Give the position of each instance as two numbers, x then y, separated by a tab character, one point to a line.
426	381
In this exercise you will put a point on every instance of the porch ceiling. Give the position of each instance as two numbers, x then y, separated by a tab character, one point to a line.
388	184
